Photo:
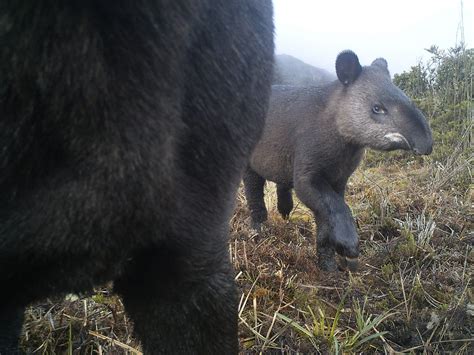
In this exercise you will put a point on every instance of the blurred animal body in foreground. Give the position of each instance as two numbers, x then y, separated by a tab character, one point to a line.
124	129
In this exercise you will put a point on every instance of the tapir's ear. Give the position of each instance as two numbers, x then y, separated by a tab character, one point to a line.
381	63
347	67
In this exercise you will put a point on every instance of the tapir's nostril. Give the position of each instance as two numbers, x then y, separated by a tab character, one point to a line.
425	151
429	150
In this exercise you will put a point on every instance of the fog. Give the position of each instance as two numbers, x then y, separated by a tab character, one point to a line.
316	31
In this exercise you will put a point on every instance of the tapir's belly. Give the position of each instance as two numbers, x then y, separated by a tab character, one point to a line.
273	162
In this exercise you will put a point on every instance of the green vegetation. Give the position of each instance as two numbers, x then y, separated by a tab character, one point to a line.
443	89
414	215
413	292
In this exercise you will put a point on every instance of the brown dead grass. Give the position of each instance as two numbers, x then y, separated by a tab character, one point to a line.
416	229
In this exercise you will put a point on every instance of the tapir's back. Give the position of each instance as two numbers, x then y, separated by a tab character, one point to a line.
292	112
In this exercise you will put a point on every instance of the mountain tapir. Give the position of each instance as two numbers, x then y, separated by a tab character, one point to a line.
125	127
314	139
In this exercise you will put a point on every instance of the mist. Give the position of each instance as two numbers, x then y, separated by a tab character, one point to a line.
399	31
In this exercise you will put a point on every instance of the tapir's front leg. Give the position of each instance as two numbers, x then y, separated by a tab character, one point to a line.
336	230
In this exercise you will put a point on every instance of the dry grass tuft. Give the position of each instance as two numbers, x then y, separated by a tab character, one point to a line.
76	324
413	292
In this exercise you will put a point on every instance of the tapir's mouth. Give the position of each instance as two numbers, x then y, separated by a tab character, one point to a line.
398	139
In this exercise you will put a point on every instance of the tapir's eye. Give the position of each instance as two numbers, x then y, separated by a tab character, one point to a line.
378	109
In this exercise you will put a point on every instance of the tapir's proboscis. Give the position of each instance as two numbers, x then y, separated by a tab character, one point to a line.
314	139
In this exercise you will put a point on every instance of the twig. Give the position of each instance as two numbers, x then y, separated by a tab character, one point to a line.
115	342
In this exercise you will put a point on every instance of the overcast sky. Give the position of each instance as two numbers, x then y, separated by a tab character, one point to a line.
398	30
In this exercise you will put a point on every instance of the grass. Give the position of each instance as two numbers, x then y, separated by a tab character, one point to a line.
413	292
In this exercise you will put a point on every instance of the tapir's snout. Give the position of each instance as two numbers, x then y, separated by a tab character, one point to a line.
425	150
415	130
422	142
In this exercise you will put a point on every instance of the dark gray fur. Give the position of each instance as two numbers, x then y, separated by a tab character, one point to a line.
125	127
314	139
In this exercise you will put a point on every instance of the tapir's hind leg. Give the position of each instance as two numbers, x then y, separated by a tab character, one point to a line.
254	185
11	321
285	201
177	310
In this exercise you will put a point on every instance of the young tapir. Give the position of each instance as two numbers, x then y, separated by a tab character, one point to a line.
315	138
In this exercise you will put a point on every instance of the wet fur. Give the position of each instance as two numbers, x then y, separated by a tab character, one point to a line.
124	129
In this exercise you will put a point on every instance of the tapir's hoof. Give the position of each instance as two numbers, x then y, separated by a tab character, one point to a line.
351	264
327	263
